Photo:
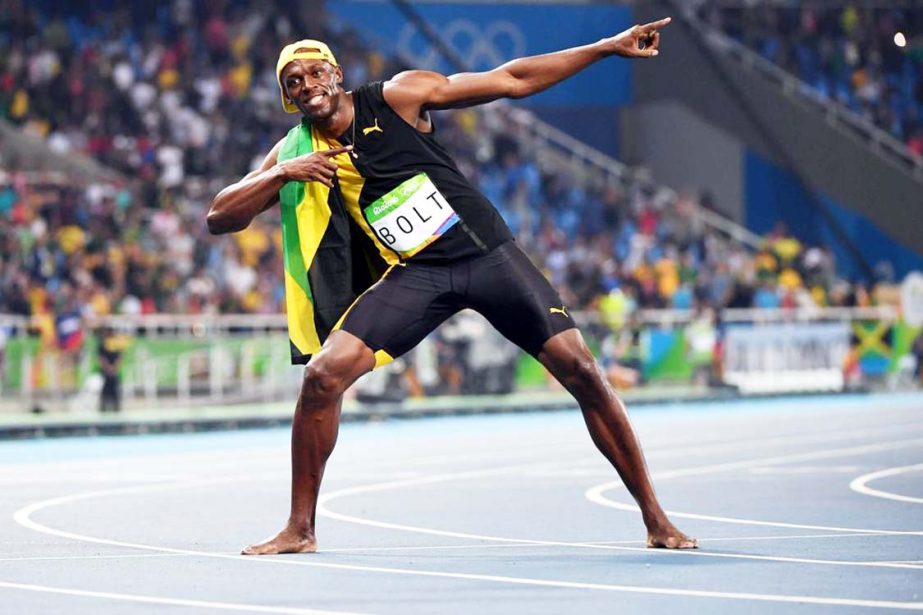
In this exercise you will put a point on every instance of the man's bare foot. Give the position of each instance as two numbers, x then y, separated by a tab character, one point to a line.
288	540
668	537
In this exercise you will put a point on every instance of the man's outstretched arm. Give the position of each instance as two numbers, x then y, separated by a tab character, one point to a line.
413	92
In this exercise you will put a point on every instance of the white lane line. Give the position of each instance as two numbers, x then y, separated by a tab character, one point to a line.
81	557
486	545
791	537
155	460
479	545
201	604
798	470
23	517
773	598
846	434
579	469
215	459
229	606
89	478
273	454
860	484
783	598
595	494
323	511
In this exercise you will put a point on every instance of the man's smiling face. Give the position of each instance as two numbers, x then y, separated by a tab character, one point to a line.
314	87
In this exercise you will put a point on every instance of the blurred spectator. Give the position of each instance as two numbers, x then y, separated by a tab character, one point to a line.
182	98
110	346
917	353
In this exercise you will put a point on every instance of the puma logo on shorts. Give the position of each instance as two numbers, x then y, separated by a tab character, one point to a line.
561	310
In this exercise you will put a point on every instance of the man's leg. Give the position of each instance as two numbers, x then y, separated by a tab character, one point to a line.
340	362
392	316
570	361
517	299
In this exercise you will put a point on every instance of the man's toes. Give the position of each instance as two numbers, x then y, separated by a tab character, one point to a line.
682	542
672	542
261	548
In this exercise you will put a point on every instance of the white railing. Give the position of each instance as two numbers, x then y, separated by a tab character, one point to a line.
760	315
231	325
223	369
239	364
612	169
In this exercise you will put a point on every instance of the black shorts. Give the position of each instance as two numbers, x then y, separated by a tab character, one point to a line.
412	299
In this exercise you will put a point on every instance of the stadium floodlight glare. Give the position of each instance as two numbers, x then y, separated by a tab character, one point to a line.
899	39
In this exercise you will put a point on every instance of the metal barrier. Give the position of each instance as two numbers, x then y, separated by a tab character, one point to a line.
191	360
556	144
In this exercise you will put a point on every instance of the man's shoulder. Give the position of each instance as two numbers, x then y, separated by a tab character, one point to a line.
372	88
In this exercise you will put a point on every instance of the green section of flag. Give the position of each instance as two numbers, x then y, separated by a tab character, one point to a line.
297	142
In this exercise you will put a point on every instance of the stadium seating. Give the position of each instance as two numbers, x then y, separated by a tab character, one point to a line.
182	101
845	52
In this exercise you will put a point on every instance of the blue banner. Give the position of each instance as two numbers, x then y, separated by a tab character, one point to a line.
487	35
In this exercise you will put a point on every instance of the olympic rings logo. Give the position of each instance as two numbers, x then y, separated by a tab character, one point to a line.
481	48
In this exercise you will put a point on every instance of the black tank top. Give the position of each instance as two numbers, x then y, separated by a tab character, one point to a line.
389	151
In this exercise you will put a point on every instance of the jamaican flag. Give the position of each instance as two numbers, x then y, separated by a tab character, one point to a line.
328	260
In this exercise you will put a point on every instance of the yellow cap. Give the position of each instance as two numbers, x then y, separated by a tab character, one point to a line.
306	49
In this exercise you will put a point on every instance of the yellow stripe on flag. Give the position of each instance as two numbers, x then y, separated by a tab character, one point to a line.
300	312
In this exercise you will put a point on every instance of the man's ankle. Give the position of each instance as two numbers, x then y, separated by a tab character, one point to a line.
300	527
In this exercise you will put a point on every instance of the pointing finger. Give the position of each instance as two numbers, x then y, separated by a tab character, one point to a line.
656	24
337	151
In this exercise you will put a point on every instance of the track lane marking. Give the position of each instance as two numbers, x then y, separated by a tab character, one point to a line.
783	598
40	558
23	517
860	484
635	589
201	604
595	494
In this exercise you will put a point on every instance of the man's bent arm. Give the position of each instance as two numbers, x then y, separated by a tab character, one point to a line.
237	205
413	92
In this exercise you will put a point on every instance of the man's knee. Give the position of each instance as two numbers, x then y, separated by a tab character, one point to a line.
337	366
323	381
572	363
582	374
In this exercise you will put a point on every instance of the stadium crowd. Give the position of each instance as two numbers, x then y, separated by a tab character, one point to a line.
844	51
181	97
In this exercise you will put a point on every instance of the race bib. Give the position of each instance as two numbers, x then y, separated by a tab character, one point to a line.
412	216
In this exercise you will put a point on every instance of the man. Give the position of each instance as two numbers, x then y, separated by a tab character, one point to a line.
109	354
371	155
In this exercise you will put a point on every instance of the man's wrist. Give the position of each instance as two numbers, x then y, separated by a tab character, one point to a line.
606	48
280	173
